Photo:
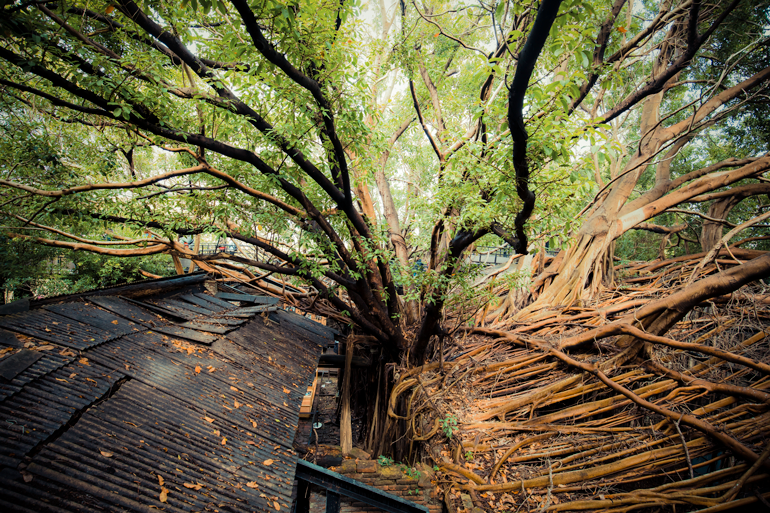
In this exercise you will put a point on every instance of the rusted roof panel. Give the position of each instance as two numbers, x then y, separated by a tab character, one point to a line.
55	328
128	400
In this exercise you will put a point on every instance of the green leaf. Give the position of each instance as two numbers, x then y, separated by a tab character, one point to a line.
499	10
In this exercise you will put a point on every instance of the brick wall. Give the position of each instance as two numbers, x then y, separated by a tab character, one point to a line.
392	479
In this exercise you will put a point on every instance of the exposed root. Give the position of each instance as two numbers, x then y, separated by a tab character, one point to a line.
640	400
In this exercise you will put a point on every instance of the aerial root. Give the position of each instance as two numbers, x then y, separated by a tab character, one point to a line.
560	415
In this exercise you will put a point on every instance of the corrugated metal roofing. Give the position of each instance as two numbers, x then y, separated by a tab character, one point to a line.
117	404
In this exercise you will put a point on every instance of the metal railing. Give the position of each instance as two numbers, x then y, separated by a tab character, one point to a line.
213	249
491	255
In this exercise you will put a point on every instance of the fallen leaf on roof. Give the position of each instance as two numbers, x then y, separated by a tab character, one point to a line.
267	462
208	419
224	440
163	494
66	352
211	369
252	484
46	329
253	423
193	486
216	432
250	442
73	374
26	475
115	321
62	379
29	344
277	506
286	390
46	347
237	404
91	380
84	361
106	454
197	369
160	480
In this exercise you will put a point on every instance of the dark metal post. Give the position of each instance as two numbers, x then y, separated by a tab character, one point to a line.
303	497
332	502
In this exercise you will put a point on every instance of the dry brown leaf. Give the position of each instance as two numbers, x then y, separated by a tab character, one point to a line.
29	344
250	442
84	361
160	480
277	506
106	454
286	390
197	369
46	347
267	462
73	374
252	484
193	486
66	352
208	419
211	369
237	404
163	494
233	388
91	380
253	423
216	432
62	379
224	440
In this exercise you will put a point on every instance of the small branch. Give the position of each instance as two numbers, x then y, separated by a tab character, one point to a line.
723	242
433	142
684	446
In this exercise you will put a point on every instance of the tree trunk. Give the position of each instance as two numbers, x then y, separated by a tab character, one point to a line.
712	230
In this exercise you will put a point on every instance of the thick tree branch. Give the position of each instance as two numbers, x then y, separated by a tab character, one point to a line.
546	15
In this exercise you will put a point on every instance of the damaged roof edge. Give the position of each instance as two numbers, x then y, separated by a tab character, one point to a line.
135	289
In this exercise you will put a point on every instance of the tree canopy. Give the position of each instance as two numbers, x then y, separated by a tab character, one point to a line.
340	141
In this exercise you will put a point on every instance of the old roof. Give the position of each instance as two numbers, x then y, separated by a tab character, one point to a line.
177	400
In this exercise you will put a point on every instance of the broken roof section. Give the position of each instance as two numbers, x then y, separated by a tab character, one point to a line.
177	399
